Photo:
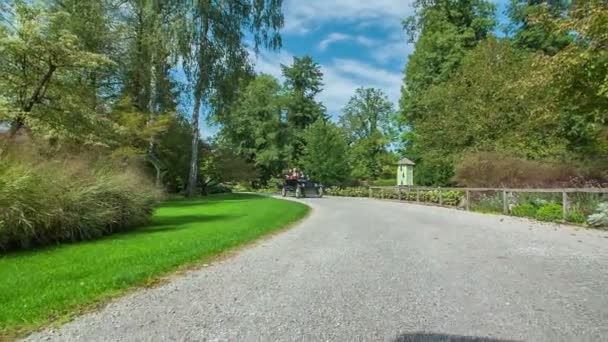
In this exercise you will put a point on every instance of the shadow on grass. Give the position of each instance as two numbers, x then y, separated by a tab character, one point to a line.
155	225
432	337
167	223
177	223
211	199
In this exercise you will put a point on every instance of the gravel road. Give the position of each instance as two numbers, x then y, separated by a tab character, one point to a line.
367	270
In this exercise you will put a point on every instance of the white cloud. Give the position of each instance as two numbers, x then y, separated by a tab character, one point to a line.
270	62
344	76
332	38
303	16
365	41
335	37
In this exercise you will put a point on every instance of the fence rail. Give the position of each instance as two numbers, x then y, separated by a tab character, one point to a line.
506	192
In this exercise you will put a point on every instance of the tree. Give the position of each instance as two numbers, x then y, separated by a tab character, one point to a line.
443	32
487	106
368	121
220	164
212	47
303	81
579	75
40	62
255	126
534	35
326	155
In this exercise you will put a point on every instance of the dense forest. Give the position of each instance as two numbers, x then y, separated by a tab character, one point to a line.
528	106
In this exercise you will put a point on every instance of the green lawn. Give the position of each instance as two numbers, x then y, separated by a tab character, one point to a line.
50	284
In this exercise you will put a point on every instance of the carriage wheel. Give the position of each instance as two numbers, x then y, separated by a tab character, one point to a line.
283	192
298	192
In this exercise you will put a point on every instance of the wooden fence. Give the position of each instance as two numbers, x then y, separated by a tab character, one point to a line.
506	192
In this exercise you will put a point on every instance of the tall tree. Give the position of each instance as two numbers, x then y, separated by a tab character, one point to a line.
537	36
443	32
579	74
303	82
255	126
213	46
368	120
326	155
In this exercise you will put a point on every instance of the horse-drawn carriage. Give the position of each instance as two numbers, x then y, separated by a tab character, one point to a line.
301	187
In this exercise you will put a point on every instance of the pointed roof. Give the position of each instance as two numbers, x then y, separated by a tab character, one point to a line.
405	161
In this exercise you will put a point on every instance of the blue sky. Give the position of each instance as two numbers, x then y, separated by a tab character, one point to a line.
358	43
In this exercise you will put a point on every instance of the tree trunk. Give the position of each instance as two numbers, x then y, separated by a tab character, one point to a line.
198	93
192	179
19	122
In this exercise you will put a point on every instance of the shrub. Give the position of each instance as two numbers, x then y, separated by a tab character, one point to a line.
490	169
488	203
347	192
600	218
217	189
452	197
49	201
576	216
524	210
549	212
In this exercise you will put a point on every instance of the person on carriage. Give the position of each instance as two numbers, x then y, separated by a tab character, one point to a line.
293	174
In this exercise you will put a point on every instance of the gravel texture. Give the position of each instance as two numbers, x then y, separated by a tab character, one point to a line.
367	270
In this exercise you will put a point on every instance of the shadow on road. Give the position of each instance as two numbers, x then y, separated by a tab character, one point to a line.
432	337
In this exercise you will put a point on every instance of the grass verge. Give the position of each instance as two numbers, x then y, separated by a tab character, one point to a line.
52	284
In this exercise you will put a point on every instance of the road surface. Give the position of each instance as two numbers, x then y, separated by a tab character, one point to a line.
369	270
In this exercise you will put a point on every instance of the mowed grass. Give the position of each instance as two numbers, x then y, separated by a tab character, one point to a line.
51	284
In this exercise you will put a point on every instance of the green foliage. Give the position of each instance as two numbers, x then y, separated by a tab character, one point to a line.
41	63
524	210
303	81
576	216
45	202
487	203
443	31
549	212
254	127
449	197
579	75
452	197
538	94
221	165
385	182
59	282
347	192
325	157
535	36
211	45
368	122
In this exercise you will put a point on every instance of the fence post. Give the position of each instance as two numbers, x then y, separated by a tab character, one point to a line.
417	195
565	205
505	207
468	200
440	196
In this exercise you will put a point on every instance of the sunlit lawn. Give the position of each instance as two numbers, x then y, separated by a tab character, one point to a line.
48	284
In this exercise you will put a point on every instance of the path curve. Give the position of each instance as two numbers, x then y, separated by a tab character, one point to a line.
366	270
